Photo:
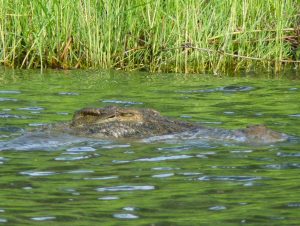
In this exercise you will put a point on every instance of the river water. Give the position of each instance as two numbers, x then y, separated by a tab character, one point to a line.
65	180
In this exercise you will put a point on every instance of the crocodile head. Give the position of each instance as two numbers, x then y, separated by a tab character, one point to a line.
95	116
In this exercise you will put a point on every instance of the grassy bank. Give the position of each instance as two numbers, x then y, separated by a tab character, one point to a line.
189	36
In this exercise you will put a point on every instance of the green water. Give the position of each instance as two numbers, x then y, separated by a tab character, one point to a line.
172	182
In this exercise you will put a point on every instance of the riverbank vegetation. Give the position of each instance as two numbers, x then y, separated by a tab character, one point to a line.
190	36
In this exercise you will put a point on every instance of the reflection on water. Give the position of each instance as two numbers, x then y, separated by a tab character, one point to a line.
229	178
125	216
231	88
126	103
171	180
127	188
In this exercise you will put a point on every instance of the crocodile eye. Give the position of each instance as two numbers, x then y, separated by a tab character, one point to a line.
127	114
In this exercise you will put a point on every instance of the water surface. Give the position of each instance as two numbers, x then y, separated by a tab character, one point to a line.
65	180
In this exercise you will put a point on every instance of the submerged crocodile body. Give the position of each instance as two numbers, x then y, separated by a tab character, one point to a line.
118	122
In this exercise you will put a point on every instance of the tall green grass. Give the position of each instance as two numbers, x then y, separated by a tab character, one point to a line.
188	36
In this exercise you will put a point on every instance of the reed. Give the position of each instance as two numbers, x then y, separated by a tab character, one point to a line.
190	36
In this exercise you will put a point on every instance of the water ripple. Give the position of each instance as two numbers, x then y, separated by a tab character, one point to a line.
113	146
46	218
121	102
27	188
293	89
4	115
229	112
2	99
41	141
31	109
175	149
163	175
235	88
120	161
283	166
9	92
217	208
3	136
164	168
37	173
229	178
201	156
2	160
242	151
63	113
109	198
80	171
190	174
282	154
37	124
71	158
295	115
294	205
127	188
68	94
101	178
81	149
163	158
130	208
230	89
11	129
125	216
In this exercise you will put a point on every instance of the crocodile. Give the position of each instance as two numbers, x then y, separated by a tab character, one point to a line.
118	122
